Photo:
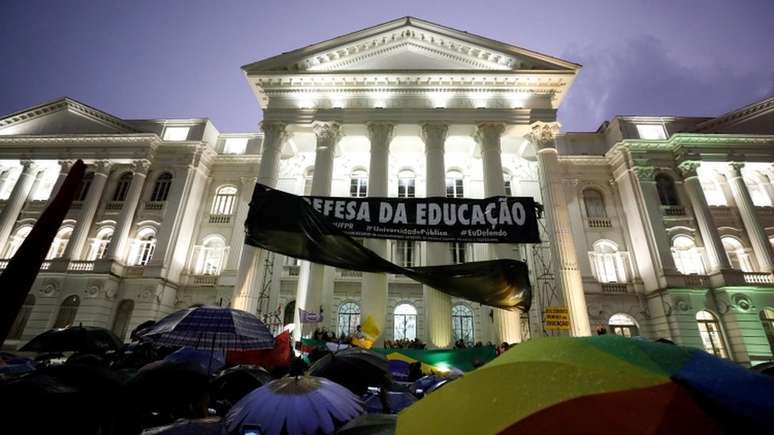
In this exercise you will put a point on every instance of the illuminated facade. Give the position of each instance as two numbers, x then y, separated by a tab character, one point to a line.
655	226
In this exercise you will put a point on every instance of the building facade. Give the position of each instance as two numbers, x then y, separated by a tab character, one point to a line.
653	226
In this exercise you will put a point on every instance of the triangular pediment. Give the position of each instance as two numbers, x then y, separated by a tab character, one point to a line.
408	44
62	116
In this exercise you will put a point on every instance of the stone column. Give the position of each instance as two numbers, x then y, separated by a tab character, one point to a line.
64	169
247	289
558	226
116	251
507	324
758	239
15	202
374	294
242	207
709	231
74	249
437	304
314	284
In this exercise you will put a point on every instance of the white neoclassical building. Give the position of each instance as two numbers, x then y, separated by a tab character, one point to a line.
654	226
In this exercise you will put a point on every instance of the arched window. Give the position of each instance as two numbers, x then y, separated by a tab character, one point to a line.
406	184
507	183
225	198
123	316
21	319
161	188
358	184
737	255
67	311
122	188
711	335
757	192
59	244
404	254
144	245
349	318
713	193
289	313
454	185
609	265
405	322
594	203
623	325
458	251
688	259
667	193
100	243
16	241
462	323
83	187
767	319
210	256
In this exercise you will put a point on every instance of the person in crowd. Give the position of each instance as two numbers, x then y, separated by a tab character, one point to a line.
601	330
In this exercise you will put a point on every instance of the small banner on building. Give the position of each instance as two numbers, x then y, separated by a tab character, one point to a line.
309	317
289	225
556	319
499	219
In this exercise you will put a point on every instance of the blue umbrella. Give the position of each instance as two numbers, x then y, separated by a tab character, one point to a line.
396	399
211	328
295	405
206	361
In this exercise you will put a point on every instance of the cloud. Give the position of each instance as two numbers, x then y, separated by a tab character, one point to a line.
640	76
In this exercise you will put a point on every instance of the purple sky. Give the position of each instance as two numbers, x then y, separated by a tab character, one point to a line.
156	59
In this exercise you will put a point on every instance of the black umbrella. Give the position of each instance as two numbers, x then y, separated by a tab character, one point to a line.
84	339
234	383
355	368
370	424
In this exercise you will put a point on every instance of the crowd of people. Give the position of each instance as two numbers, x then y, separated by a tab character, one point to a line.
405	344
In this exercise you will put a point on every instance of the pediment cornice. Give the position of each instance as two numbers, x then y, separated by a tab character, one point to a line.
70	105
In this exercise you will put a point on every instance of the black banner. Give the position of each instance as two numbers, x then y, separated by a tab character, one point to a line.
499	219
287	224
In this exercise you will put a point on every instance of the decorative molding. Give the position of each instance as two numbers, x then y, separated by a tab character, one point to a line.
644	173
380	133
688	168
72	106
543	134
328	133
488	134
735	169
434	134
275	135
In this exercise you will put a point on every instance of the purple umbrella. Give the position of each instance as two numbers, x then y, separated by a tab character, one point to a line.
295	405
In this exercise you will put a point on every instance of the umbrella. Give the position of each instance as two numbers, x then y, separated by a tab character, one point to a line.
295	405
370	424
396	400
206	361
355	368
84	339
236	382
201	426
211	328
602	385
425	382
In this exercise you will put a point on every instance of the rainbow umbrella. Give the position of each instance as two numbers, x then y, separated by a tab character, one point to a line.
599	385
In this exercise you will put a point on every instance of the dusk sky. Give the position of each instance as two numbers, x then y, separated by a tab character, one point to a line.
165	59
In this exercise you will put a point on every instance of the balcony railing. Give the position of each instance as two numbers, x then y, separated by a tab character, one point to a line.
291	270
205	280
673	210
114	205
154	205
81	266
613	287
133	271
758	278
346	273
599	222
696	281
220	218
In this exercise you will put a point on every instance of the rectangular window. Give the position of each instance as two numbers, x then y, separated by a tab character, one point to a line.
406	188
358	187
404	253
651	131
176	133
458	251
508	191
454	188
235	145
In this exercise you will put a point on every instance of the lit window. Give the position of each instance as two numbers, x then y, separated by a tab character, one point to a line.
405	322
176	133
21	319
144	245
349	318
457	252
757	193
67	311
737	255
767	319
623	325
58	246
651	131
404	253
608	264
161	188
711	335
462	324
210	256
99	244
358	184
667	193
122	188
16	241
594	203
454	184
688	259
712	191
406	184
225	198
235	145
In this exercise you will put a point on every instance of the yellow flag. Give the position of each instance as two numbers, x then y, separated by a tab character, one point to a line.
362	343
370	329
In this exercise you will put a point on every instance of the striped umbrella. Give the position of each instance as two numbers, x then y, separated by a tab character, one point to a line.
211	328
600	385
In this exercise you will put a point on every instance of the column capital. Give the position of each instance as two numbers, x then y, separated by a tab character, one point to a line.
274	133
489	133
735	169
542	134
247	180
141	166
65	166
380	133
644	173
434	133
102	167
328	133
688	168
29	165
